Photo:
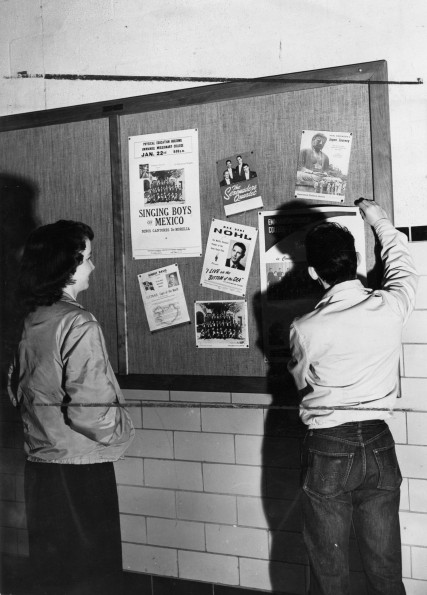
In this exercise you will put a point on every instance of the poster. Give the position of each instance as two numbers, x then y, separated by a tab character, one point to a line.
228	257
222	324
164	195
238	182
287	290
163	297
323	165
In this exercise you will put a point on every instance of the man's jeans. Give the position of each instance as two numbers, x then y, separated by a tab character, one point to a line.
350	475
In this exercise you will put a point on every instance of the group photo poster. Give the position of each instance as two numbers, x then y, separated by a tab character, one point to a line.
221	324
287	290
323	165
238	182
163	298
164	195
228	257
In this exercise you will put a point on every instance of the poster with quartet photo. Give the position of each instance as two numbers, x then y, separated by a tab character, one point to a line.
163	298
323	165
164	195
287	290
221	324
239	183
228	257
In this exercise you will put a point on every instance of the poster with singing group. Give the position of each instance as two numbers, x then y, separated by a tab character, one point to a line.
239	184
164	195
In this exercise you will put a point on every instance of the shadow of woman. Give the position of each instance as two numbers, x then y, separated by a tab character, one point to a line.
17	220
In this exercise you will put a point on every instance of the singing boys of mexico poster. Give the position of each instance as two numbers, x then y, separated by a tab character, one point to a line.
164	195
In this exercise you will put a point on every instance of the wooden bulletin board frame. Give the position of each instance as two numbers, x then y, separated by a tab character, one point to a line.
371	74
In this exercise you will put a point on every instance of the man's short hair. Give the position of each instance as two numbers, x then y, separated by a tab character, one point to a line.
242	246
331	252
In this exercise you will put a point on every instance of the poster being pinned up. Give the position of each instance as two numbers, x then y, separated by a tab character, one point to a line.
163	298
287	290
164	195
323	165
228	257
239	183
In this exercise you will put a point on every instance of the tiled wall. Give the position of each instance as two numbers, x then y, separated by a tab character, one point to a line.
211	493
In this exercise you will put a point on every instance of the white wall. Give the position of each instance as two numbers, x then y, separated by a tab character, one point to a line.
231	38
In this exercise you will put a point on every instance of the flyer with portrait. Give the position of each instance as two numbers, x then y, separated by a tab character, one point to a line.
164	195
222	324
287	290
323	165
163	298
228	257
239	184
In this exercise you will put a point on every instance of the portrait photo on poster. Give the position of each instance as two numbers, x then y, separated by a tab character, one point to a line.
228	257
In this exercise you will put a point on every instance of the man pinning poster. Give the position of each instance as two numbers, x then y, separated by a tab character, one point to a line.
164	195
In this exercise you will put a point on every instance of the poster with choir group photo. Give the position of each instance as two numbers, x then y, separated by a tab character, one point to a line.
164	195
221	324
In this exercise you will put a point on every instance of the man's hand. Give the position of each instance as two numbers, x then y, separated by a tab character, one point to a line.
370	211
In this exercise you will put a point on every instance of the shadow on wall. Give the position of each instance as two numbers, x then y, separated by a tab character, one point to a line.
17	219
276	306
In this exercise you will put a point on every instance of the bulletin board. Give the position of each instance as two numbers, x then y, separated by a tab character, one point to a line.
266	116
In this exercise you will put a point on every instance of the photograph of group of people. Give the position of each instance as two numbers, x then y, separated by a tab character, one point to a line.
163	186
221	324
239	168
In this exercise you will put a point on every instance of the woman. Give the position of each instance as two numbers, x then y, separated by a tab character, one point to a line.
70	488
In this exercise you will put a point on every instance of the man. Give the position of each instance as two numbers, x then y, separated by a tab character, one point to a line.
238	171
345	356
313	163
226	179
230	170
247	173
237	253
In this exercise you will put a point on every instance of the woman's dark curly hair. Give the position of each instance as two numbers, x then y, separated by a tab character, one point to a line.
51	256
